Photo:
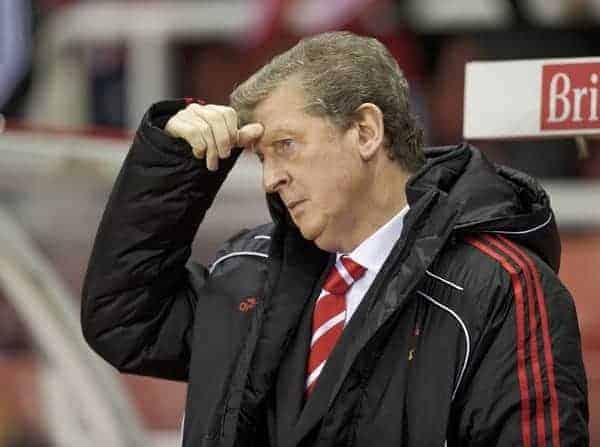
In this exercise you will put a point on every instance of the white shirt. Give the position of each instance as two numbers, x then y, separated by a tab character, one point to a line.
371	254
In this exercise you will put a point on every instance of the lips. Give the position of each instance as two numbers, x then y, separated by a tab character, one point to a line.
294	203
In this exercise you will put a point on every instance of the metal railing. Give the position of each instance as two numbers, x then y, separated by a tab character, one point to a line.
146	29
85	403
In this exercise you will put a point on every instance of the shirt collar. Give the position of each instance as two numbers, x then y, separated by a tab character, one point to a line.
373	251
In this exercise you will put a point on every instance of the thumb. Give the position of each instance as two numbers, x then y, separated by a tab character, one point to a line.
249	133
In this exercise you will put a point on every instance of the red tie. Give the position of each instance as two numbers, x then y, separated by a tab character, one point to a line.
329	316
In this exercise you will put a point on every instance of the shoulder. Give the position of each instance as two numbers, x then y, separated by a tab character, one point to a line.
487	278
249	244
468	279
474	279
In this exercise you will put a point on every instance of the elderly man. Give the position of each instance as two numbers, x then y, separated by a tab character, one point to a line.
400	297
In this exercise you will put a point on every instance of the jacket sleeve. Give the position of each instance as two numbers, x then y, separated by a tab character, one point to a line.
526	383
138	296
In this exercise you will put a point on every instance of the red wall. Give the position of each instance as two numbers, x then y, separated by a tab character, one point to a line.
580	271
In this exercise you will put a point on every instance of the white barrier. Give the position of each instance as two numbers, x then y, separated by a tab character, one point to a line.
60	97
86	405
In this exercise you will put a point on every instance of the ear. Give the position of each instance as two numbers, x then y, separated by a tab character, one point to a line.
369	122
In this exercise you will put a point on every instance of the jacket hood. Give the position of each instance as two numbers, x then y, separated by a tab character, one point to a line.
493	198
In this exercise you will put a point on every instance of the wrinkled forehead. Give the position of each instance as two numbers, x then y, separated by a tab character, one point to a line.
286	103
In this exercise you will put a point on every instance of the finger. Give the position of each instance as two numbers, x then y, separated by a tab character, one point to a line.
193	134
249	134
203	130
230	118
210	149
218	128
181	126
212	158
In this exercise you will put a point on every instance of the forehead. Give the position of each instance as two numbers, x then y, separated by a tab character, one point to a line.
283	108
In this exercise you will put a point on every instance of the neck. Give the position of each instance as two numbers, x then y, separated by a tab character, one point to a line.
384	199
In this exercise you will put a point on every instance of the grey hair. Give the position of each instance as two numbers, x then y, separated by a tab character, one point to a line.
338	72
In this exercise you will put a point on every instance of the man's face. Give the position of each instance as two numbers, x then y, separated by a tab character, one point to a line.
314	167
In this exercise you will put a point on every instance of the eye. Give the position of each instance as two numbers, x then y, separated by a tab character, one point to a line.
285	145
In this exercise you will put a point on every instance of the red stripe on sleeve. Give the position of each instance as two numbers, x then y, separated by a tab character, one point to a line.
520	317
548	357
533	346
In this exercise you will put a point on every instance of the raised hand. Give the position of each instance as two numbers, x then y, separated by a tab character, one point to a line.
212	131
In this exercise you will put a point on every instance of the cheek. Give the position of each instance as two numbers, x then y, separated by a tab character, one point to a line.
344	188
326	194
331	179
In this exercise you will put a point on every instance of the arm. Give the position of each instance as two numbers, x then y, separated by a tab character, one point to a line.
138	297
526	382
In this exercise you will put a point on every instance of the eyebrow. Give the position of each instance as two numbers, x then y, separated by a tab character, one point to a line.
278	133
283	127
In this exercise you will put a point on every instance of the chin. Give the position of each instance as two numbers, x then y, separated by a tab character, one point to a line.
325	246
321	240
316	232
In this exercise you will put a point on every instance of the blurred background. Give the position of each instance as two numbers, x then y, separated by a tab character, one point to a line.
75	79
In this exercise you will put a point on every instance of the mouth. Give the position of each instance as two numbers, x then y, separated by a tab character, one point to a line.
293	204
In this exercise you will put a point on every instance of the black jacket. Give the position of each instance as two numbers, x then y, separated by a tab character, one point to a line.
466	334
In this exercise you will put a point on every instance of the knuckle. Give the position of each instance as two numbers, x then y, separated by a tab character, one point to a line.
197	141
204	131
229	111
175	120
226	112
208	114
232	117
223	145
203	127
198	152
194	107
185	114
216	107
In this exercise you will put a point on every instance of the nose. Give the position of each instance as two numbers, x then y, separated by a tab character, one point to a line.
274	176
